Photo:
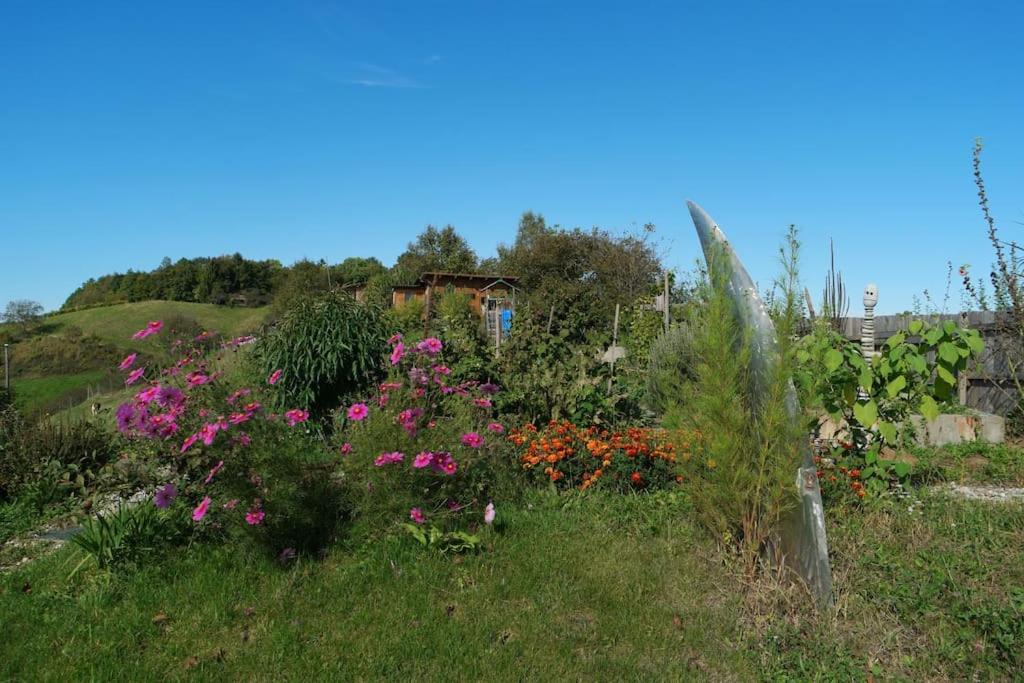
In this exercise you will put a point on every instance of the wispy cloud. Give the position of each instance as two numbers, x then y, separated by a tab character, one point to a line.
375	76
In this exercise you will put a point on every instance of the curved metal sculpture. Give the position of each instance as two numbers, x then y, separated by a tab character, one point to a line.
803	544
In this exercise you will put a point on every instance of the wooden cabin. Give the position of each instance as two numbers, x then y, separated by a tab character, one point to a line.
492	297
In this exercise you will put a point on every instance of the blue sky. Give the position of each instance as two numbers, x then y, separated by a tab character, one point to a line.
133	131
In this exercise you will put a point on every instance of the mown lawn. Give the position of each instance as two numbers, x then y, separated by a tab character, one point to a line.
580	588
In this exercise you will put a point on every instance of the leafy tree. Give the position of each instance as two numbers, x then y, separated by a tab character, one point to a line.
23	313
357	270
443	250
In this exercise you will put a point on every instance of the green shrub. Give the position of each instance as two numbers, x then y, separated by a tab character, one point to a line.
55	460
748	446
128	534
671	366
327	347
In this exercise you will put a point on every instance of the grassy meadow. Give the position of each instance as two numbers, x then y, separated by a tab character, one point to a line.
595	587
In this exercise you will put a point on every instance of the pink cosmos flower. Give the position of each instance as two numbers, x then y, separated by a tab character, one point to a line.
252	407
213	472
189	441
150	329
495	428
230	505
134	376
147	395
444	463
197	379
208	432
239	418
416	515
473	440
128	361
201	509
395	338
254	517
388	459
346	448
423	459
274	377
442	369
430	346
482	402
237	395
243	440
358	412
295	416
397	353
489	513
388	386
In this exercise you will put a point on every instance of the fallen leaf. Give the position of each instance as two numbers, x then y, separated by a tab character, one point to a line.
190	662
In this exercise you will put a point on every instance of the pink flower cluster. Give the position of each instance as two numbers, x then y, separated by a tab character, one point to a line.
389	459
439	462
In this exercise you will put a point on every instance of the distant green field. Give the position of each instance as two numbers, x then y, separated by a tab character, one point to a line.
45	392
117	323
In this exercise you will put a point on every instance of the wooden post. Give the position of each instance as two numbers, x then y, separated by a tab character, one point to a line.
810	303
666	304
497	329
615	341
551	317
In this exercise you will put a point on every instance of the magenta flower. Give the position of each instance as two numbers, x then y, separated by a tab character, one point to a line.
252	407
489	513
397	353
189	442
165	495
147	395
346	448
274	377
230	505
416	515
213	472
444	463
423	459
388	459
201	509
358	412
472	439
150	329
254	517
168	396
489	388
295	416
128	361
125	414
430	346
237	395
197	379
495	428
208	432
482	402
395	338
134	376
442	369
239	418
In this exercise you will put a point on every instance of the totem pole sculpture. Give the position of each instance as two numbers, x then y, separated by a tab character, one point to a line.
867	328
803	543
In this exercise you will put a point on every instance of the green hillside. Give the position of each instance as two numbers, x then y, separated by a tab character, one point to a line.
71	356
119	322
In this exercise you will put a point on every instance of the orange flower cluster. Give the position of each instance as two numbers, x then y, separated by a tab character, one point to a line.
580	456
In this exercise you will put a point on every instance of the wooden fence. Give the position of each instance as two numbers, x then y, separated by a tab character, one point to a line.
990	385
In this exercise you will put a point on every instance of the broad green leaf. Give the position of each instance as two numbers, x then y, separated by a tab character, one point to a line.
945	375
833	359
975	343
887	430
901	469
866	413
948	353
896	386
866	378
915	327
896	339
929	408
